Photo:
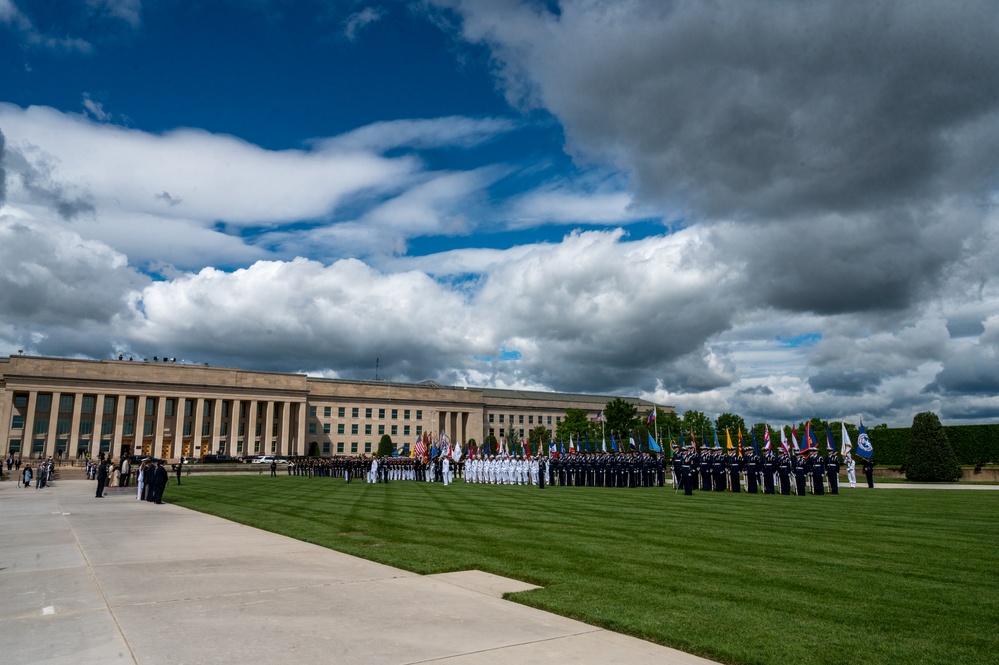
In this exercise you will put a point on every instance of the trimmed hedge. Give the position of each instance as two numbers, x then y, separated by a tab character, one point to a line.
973	445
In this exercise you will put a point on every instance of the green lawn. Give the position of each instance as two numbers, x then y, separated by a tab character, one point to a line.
900	576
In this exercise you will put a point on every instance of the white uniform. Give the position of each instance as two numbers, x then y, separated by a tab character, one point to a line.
851	470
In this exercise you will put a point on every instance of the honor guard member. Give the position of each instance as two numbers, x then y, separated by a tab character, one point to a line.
800	473
718	470
784	473
687	471
769	464
851	469
832	472
734	465
818	466
751	462
675	464
869	472
705	470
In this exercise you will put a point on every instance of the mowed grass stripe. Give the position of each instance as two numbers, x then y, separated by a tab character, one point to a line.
877	576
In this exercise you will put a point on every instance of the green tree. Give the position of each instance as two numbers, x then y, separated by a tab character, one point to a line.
696	422
930	455
669	425
489	445
539	433
621	417
313	449
576	423
734	423
385	446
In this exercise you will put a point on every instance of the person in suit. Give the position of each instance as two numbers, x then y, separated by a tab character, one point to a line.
150	482
102	478
160	479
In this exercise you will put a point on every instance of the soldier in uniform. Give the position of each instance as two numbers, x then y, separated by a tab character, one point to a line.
752	464
705	468
784	473
769	469
818	468
718	469
869	472
687	470
734	465
832	472
800	473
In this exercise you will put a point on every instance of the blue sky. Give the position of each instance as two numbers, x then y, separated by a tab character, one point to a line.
699	205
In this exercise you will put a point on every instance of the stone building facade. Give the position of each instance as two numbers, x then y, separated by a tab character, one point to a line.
163	409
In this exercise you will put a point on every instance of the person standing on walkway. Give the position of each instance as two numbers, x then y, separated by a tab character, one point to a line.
150	481
102	478
140	477
273	471
25	476
869	472
160	479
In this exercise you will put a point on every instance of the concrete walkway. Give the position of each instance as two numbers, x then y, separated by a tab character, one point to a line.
115	580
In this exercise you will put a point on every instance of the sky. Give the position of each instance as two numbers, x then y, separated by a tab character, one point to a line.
779	209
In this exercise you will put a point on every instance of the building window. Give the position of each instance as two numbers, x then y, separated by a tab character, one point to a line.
521	419
395	430
367	446
128	427
65	404
419	414
339	447
326	428
530	420
353	428
313	410
381	430
206	410
492	432
502	432
242	429
558	419
405	414
86	426
328	411
354	412
17	422
341	412
501	419
339	428
107	427
42	426
367	413
63	425
20	400
419	430
312	428
225	410
189	408
395	414
367	430
549	420
89	401
44	403
522	434
353	447
224	429
129	406
381	414
492	418
187	429
256	447
405	430
258	429
326	447
206	428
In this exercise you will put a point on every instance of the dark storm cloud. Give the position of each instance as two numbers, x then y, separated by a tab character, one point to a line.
855	132
845	381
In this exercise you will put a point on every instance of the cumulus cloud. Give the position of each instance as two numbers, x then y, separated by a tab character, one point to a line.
359	20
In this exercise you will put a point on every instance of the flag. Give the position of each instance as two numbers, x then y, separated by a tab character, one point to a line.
613	442
603	445
845	443
794	439
572	446
600	416
766	439
682	446
783	441
740	441
693	441
418	448
811	443
652	416
588	443
728	441
456	451
631	442
864	447
830	446
714	434
653	445
755	449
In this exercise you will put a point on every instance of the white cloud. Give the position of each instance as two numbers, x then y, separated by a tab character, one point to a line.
359	20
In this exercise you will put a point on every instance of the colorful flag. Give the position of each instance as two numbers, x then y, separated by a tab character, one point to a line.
830	446
631	442
418	449
845	444
456	451
794	439
600	416
603	445
766	439
864	447
653	445
652	417
613	442
714	433
728	441
740	441
783	441
755	449
811	443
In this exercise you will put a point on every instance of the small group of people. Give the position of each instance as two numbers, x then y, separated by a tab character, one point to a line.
42	474
801	472
151	478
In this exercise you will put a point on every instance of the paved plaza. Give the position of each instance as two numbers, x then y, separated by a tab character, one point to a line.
115	580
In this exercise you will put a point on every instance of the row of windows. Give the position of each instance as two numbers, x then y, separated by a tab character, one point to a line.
492	433
327	447
355	412
43	404
530	419
355	429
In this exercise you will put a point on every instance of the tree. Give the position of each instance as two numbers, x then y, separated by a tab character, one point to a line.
489	445
576	424
733	422
313	449
696	422
930	455
620	416
539	433
669	425
385	446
